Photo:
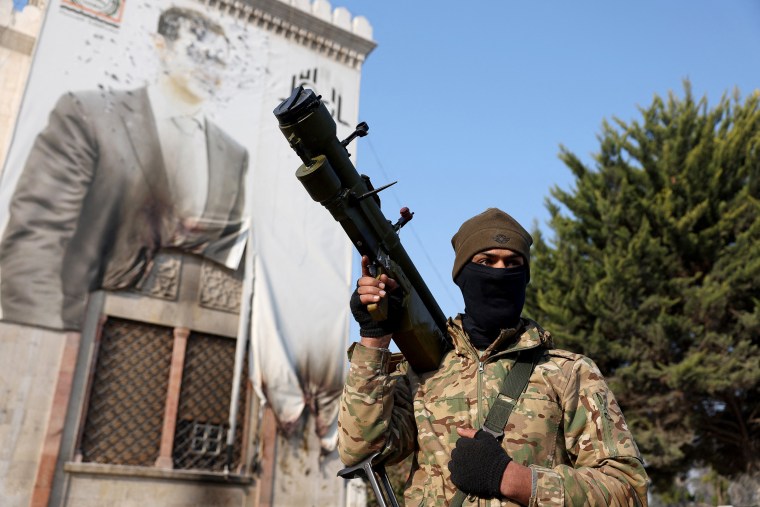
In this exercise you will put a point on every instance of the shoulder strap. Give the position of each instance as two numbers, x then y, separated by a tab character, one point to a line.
513	386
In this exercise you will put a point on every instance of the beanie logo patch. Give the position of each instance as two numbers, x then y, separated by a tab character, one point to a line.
501	239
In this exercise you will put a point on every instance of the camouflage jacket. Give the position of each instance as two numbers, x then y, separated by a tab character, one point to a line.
567	426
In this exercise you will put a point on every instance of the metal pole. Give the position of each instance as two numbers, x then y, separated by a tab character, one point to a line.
243	336
383	489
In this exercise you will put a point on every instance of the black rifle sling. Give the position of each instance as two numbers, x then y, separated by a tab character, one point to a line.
513	386
511	389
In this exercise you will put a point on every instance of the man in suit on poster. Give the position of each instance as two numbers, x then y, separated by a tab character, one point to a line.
118	175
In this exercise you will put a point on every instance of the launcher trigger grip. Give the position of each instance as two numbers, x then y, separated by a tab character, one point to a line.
378	311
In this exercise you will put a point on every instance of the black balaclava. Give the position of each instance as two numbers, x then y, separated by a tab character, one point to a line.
493	297
493	300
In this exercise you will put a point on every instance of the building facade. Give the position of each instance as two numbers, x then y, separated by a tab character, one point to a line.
139	405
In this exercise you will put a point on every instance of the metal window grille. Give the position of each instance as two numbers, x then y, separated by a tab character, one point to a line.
128	396
204	405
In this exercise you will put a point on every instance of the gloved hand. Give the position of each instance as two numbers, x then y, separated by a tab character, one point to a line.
375	329
477	465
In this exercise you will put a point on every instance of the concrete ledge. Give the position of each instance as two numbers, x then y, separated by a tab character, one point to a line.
156	473
16	41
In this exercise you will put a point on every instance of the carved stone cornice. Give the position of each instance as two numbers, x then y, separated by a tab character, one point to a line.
347	40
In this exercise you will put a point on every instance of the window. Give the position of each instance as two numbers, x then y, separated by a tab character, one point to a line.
131	389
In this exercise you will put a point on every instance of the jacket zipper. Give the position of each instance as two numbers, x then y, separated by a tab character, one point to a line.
481	374
481	369
606	423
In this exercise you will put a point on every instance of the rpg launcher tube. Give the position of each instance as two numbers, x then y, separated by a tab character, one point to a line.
331	179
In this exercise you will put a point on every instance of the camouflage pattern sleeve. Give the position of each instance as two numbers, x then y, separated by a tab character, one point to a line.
606	466
376	410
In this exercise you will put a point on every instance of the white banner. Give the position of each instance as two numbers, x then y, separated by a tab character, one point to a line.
304	264
148	125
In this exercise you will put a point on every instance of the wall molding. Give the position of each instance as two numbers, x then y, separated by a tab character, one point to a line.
333	33
16	41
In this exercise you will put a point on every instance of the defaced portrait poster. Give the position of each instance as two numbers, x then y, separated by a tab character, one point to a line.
147	125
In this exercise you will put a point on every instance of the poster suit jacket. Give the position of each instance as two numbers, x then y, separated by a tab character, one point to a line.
93	206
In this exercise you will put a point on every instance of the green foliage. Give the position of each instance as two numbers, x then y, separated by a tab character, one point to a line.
654	272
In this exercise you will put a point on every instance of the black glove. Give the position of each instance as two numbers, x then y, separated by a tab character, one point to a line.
372	328
477	465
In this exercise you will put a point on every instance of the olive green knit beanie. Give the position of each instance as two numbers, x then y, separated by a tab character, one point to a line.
491	229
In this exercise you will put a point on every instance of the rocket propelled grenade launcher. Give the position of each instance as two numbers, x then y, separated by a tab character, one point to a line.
332	180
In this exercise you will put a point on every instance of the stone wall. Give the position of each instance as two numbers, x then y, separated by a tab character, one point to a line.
44	374
18	33
29	363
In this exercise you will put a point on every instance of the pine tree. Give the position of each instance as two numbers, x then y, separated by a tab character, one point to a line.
653	271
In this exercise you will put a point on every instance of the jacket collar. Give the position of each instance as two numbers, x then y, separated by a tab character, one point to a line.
528	335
